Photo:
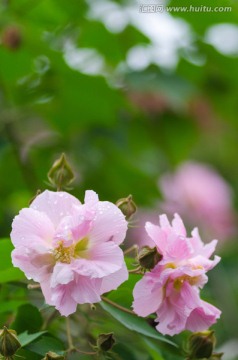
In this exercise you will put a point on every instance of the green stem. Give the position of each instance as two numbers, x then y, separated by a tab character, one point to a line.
49	320
69	336
86	352
136	271
130	249
122	308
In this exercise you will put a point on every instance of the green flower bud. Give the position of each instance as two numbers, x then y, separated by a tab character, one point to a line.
149	257
105	342
53	356
9	343
201	345
127	206
61	174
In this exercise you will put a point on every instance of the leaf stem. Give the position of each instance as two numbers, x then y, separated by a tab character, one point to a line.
136	271
33	286
122	308
130	249
69	336
49	319
86	352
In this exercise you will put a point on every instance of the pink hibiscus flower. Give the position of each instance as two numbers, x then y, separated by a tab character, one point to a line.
201	195
171	289
71	249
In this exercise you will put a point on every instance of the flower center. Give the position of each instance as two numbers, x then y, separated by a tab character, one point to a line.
65	254
192	280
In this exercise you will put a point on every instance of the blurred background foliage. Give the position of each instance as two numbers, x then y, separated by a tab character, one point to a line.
127	96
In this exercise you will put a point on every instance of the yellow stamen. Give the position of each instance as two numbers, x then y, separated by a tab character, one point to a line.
65	254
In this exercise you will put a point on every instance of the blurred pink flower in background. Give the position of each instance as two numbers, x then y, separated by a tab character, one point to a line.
71	249
137	234
201	196
171	289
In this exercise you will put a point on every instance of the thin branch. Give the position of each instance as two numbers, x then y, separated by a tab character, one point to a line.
130	249
49	319
136	271
85	352
122	308
69	336
33	286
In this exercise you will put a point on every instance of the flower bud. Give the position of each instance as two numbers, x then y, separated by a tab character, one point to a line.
9	343
105	342
11	38
149	257
53	356
127	206
201	345
61	174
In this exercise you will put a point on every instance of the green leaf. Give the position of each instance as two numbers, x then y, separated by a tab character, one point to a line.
28	318
26	338
7	271
135	323
123	295
10	305
46	344
6	248
11	274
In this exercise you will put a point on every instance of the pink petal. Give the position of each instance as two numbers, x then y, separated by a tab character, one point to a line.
196	241
190	295
32	226
199	247
91	198
86	290
35	264
63	300
56	205
109	224
202	317
62	274
101	260
146	299
209	249
179	248
158	236
47	291
112	281
164	223
72	228
178	225
201	261
171	319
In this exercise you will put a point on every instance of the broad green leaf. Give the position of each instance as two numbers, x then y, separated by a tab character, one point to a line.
123	295
135	323
26	338
6	248
11	274
7	271
11	305
25	354
158	352
46	344
28	319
